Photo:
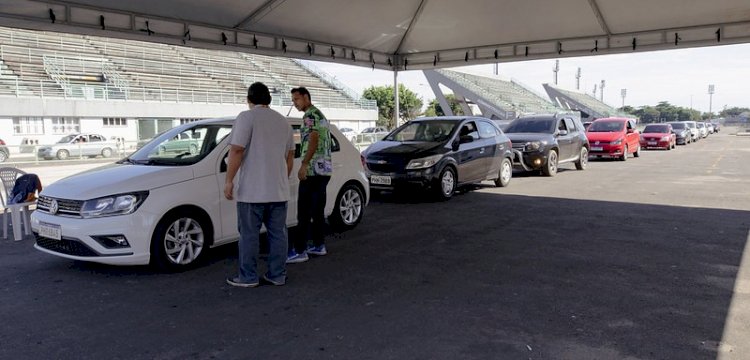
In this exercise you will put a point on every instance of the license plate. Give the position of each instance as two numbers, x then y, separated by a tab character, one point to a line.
652	143
597	148
380	180
50	231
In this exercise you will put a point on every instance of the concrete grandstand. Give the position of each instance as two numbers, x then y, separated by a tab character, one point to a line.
590	107
60	83
494	97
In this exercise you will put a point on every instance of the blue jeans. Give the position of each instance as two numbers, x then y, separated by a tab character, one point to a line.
250	217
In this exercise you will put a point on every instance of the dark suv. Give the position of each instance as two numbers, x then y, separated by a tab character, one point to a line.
440	154
542	142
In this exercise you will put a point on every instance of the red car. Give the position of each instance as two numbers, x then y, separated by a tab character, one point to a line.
614	138
658	136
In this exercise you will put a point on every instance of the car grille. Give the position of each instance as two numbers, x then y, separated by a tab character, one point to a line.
70	208
65	246
519	146
384	166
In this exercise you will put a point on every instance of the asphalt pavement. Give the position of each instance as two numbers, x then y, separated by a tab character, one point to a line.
626	260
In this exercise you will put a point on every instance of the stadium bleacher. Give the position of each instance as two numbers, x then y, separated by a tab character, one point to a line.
587	103
46	64
508	95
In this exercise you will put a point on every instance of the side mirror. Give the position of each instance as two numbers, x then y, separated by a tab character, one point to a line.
562	132
630	131
465	139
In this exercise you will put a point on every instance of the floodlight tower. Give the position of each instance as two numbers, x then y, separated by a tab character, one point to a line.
710	98
578	79
623	93
601	90
556	69
594	93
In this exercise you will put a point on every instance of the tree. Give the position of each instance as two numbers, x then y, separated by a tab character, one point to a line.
434	109
410	105
733	111
628	109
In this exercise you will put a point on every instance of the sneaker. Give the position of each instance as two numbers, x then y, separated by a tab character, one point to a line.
317	250
274	282
294	258
235	281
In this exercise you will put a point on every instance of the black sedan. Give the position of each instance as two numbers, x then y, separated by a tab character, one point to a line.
440	154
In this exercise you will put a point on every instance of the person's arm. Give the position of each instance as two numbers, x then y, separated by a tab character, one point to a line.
311	148
289	162
236	153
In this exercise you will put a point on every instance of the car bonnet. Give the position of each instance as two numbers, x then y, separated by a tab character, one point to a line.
116	179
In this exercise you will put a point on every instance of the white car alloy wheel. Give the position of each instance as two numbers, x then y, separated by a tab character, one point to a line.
350	207
107	152
183	241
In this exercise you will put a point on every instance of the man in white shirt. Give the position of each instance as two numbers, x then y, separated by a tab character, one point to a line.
262	153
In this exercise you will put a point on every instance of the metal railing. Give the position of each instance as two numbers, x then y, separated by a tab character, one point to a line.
335	83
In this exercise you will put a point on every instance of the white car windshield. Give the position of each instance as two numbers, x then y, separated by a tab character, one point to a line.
181	146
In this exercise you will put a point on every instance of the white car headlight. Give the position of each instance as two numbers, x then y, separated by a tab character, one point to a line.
665	138
122	204
424	162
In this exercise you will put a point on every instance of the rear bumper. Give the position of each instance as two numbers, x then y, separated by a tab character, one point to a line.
606	151
650	144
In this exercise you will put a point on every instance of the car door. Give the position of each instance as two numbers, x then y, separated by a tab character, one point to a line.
575	137
564	140
468	154
491	155
632	135
78	145
94	146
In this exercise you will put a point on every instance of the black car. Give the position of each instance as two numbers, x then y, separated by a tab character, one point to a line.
543	142
440	154
684	136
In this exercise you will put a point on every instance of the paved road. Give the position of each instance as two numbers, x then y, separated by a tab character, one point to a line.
639	260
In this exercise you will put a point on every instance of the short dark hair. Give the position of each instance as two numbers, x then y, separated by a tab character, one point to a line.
302	91
258	94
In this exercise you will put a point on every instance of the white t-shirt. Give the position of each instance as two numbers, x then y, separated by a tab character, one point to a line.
267	138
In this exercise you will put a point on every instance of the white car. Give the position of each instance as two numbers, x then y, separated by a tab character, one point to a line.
168	208
702	128
694	131
349	133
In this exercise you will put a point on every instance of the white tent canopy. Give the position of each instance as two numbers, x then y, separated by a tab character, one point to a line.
399	34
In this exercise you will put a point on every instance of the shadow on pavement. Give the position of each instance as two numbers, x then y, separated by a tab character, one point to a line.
479	276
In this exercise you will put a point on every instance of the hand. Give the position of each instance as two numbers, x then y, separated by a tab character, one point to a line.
302	174
228	190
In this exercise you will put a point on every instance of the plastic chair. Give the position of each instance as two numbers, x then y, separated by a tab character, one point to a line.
18	212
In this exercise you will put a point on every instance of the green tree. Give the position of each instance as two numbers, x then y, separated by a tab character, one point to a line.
410	105
628	109
733	111
434	108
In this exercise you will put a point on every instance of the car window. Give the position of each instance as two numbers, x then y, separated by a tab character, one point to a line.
606	126
335	146
95	138
531	125
561	125
174	149
571	126
486	130
470	129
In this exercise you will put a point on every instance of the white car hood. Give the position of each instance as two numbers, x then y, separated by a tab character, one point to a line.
116	179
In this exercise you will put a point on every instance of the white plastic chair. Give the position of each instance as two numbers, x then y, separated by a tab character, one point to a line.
18	212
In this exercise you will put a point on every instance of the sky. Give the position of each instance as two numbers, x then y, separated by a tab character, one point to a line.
680	77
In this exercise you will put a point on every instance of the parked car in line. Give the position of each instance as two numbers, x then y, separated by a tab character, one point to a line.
77	145
709	127
543	142
658	136
702	129
373	130
349	133
694	132
682	132
717	126
440	154
187	142
614	138
4	153
169	208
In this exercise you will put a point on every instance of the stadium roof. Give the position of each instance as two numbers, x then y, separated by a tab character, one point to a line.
399	34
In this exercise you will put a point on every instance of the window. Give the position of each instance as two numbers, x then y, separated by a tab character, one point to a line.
561	125
62	126
486	130
571	125
115	122
335	144
28	126
188	120
93	138
470	129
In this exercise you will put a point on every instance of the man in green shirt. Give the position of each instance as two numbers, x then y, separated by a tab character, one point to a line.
314	175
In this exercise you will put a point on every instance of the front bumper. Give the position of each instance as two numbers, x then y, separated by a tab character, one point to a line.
78	244
606	150
411	178
529	160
